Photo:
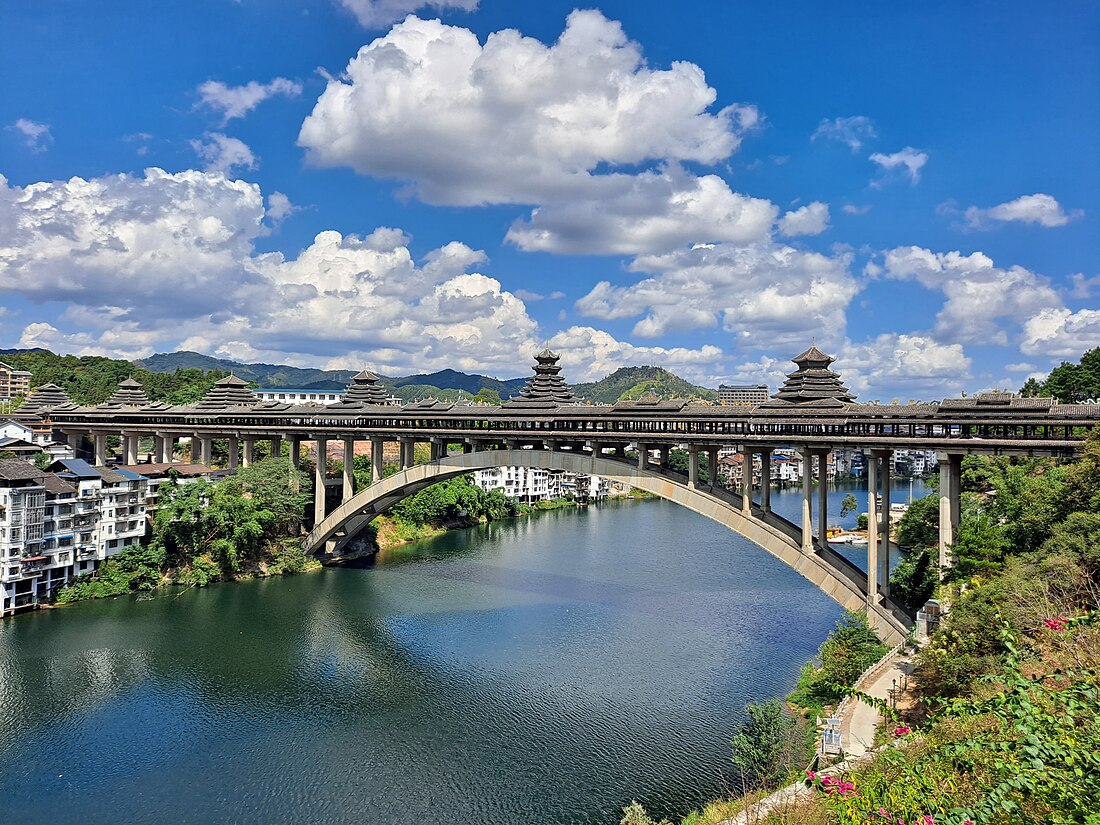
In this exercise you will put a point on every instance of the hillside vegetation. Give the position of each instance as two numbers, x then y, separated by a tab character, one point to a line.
184	377
1070	383
91	379
631	383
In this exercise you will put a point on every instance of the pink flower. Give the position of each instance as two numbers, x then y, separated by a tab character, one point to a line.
810	775
902	730
1057	625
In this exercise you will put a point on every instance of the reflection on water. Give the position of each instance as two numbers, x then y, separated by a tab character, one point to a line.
542	670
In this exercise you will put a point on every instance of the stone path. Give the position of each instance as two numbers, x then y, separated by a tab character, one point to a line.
858	724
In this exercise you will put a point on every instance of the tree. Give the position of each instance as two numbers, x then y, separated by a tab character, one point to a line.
920	526
487	396
768	747
914	581
849	505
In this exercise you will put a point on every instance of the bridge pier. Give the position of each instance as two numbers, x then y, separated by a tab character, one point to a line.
376	447
766	479
248	454
643	457
408	452
747	458
295	449
950	495
823	497
166	448
129	448
276	446
349	468
807	499
693	465
234	451
319	472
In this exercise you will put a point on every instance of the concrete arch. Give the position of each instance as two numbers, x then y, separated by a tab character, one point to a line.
837	577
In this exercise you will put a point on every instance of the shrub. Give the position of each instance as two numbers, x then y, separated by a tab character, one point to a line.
769	747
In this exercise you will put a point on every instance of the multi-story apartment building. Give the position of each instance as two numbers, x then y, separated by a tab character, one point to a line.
531	484
13	383
62	523
742	396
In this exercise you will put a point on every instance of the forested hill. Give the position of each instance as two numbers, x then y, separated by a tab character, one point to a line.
630	383
265	375
184	377
91	379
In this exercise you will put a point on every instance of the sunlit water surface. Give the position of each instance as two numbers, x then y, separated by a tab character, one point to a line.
540	670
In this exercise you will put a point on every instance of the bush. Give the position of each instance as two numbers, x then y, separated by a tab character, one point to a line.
914	580
769	747
848	651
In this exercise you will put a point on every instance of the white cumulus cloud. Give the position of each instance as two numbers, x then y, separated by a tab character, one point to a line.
513	120
171	242
375	14
589	354
1039	209
238	101
766	294
1058	332
811	219
645	213
979	294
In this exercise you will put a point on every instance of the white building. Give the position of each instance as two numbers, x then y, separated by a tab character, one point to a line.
63	523
301	397
531	484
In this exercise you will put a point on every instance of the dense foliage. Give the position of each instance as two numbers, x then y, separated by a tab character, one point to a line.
204	532
456	501
92	379
848	651
769	746
632	382
1070	383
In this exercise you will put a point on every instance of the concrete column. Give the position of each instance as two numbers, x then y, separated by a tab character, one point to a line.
100	449
319	480
129	449
664	457
807	500
766	479
248	455
643	457
168	445
408	447
73	438
872	530
349	466
823	498
376	447
712	465
950	495
597	449
884	547
234	452
746	480
276	446
206	450
693	465
295	444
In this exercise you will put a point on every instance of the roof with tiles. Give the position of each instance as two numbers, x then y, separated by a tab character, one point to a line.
363	391
130	393
546	388
812	384
228	392
44	398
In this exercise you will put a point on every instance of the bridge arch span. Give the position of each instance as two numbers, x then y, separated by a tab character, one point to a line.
837	577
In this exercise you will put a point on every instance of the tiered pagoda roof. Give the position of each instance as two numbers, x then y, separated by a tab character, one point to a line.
227	392
546	388
364	390
43	398
129	394
813	384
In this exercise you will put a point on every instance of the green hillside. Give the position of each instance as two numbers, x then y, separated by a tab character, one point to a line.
454	380
630	383
272	376
92	379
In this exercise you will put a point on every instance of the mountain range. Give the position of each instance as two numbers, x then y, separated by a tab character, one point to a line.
626	383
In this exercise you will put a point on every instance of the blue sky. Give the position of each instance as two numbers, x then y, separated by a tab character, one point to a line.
703	186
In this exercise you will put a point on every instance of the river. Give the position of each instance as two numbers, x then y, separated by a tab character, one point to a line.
539	670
